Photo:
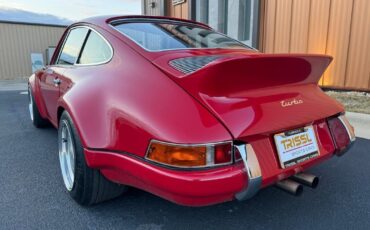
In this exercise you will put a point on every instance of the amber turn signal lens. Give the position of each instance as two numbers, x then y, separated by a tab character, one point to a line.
187	156
177	155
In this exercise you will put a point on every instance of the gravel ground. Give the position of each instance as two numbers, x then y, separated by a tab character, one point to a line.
358	102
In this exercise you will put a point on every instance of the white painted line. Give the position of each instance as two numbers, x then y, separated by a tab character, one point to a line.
24	92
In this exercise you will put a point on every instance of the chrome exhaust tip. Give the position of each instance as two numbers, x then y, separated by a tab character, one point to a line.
306	179
290	186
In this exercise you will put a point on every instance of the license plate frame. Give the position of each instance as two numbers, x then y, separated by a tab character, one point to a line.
296	146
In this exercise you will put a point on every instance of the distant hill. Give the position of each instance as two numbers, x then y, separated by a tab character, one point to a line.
16	15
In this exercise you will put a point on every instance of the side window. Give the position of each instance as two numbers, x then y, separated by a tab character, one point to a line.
72	46
96	50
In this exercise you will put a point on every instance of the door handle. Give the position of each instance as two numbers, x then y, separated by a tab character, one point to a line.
57	81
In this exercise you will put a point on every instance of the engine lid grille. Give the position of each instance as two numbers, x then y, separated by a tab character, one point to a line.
191	64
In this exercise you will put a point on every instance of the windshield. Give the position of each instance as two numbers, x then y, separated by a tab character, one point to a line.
154	36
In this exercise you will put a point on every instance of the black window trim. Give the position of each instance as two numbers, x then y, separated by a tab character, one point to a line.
156	20
83	46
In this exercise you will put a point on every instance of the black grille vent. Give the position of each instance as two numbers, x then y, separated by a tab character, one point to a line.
191	64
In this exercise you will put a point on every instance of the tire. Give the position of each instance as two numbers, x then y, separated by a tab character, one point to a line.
35	116
86	186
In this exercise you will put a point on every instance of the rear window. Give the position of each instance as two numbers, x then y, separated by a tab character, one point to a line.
154	36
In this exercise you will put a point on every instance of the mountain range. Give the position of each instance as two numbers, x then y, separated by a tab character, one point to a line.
17	15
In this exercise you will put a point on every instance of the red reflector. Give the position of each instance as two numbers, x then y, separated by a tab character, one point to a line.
339	133
223	153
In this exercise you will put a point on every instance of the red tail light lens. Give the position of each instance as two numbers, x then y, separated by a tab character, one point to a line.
339	133
342	132
223	154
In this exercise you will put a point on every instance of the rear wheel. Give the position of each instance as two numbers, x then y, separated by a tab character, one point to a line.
87	186
35	116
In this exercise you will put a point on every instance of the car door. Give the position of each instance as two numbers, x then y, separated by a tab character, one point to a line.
52	76
49	85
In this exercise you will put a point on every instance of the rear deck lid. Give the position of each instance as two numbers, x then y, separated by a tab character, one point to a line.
255	93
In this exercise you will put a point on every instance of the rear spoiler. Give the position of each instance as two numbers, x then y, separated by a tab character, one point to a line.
240	73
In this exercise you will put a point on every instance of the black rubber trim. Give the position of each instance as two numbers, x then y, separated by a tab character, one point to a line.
155	20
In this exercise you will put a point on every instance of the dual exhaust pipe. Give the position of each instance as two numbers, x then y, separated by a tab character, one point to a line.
293	185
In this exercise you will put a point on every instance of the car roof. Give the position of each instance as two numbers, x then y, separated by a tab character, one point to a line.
104	21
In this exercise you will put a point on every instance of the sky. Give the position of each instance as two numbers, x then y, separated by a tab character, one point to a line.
75	9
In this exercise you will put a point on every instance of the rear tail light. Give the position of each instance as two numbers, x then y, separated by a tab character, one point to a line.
223	154
190	156
342	133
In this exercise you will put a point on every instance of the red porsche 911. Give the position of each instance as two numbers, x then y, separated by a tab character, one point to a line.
177	109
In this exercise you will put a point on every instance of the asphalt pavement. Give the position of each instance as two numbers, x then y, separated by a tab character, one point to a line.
32	195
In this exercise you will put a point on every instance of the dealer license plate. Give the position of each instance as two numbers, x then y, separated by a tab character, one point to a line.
296	146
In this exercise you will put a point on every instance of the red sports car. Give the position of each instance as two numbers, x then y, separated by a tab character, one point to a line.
177	109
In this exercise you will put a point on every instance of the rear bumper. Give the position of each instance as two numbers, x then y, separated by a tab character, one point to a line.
190	188
258	168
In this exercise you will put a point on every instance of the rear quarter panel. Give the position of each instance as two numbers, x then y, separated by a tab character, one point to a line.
125	103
